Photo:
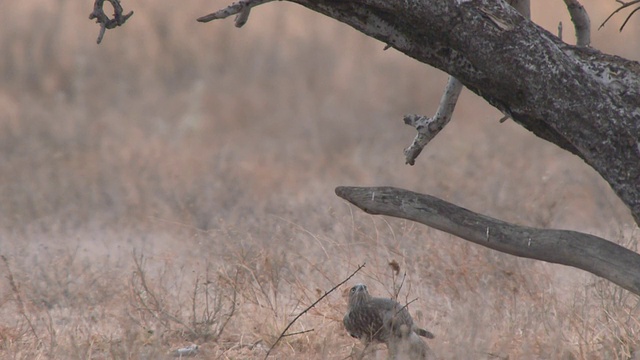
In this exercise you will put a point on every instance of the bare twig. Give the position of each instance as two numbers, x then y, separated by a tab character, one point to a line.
142	293
232	311
52	333
406	306
150	301
298	332
104	21
623	6
427	127
581	22
398	288
283	334
241	8
560	30
629	17
16	292
194	316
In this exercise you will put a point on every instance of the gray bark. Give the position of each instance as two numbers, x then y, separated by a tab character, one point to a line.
580	99
583	251
427	127
584	101
581	22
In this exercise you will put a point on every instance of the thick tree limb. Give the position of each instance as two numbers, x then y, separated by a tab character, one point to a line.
584	101
583	251
427	127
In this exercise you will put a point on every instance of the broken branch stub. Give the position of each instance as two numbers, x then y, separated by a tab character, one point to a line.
427	127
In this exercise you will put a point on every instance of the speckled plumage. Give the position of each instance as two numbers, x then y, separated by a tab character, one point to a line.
379	320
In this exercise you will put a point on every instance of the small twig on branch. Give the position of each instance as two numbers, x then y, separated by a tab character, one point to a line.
241	8
622	7
405	306
428	128
104	21
581	22
284	332
398	288
560	30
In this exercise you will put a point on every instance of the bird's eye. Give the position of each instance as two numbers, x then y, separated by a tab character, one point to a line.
353	289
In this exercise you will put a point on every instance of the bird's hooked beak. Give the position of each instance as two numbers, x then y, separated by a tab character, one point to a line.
358	288
358	294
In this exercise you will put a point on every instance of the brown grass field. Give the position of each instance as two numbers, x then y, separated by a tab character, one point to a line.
174	185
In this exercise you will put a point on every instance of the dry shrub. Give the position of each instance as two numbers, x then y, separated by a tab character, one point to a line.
200	318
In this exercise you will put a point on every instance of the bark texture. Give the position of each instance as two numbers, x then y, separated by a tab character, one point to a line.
578	98
583	251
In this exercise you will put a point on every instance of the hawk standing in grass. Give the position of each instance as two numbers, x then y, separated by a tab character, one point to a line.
382	320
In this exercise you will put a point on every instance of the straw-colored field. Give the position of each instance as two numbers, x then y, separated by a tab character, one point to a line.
174	185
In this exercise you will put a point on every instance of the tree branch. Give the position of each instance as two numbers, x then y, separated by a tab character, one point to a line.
583	251
104	21
241	8
582	100
428	128
622	7
581	22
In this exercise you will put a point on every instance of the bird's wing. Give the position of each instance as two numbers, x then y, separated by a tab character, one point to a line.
373	316
350	325
393	310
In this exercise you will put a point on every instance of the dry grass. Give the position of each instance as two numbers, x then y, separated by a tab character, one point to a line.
175	185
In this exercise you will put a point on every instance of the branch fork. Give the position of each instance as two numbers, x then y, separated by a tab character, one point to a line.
429	127
241	9
105	22
623	5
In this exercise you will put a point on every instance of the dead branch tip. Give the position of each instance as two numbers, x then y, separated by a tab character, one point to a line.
624	5
284	332
429	127
105	22
241	8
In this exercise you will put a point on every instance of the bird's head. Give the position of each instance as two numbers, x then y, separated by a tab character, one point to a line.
358	294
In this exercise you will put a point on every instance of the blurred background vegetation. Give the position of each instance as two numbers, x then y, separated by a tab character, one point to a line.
213	152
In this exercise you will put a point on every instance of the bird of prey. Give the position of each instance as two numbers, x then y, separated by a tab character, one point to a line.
378	320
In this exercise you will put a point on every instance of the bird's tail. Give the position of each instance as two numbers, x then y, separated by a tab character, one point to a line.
424	333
